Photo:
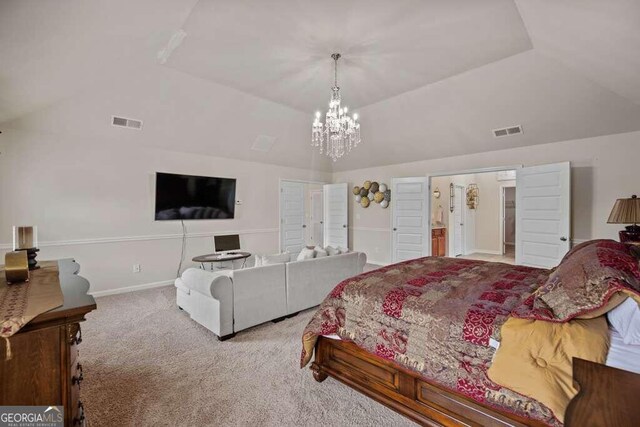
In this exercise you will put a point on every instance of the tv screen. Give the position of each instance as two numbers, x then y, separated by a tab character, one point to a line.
194	197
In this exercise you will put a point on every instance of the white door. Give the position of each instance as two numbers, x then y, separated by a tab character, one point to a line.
458	221
336	215
292	217
410	218
543	216
317	215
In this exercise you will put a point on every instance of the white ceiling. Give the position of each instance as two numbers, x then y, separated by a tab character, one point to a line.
281	49
429	78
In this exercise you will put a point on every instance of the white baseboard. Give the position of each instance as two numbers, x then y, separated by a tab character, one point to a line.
378	263
131	288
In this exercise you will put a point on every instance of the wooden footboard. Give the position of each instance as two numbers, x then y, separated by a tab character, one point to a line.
402	390
428	404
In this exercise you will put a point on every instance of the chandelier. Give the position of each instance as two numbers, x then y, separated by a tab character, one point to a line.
339	133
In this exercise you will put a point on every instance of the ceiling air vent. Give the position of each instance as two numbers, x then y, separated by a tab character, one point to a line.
126	123
263	143
511	130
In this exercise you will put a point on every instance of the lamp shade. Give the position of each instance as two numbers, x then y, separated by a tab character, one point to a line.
625	211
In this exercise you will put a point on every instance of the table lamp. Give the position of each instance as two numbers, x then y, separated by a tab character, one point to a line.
627	211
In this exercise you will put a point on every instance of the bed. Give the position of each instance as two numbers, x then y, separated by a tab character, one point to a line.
421	337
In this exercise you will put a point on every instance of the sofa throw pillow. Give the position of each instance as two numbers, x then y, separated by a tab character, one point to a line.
320	252
306	253
343	250
276	259
591	281
331	251
625	319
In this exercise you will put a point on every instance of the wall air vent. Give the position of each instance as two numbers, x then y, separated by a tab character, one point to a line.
126	123
263	143
508	131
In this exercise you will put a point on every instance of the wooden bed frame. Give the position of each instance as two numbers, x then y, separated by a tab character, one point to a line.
607	397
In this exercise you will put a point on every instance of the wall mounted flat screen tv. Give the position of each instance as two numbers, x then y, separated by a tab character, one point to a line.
194	197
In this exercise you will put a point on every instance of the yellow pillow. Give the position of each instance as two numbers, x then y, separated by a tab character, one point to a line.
535	357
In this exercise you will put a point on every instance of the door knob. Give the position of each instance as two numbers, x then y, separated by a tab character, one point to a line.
344	226
564	239
304	225
395	229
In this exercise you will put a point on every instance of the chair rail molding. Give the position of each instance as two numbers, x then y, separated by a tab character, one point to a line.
101	240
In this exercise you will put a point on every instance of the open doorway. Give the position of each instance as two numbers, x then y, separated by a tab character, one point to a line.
473	216
509	221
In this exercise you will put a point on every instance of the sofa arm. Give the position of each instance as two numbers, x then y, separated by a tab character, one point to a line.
215	285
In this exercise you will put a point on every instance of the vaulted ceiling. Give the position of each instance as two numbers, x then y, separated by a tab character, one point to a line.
429	78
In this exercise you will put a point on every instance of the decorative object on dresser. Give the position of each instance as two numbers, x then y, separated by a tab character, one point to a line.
25	238
16	267
43	367
627	211
438	241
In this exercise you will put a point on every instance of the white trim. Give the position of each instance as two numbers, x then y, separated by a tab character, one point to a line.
474	171
142	238
378	263
134	288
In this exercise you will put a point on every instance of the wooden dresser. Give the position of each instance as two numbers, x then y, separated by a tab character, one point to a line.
438	241
45	369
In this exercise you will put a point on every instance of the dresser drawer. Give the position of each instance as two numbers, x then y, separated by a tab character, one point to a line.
74	336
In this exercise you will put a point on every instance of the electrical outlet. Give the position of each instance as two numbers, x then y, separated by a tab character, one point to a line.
136	268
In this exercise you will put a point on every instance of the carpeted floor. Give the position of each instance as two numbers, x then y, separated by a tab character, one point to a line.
146	363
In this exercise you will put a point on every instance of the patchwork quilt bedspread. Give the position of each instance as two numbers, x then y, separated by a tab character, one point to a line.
436	316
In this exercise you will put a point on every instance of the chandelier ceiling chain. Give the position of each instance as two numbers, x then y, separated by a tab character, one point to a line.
340	132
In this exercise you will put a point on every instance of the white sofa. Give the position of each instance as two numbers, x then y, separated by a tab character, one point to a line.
230	301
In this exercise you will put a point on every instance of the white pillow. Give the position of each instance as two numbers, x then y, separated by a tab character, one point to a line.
275	259
306	253
331	251
343	250
320	253
625	319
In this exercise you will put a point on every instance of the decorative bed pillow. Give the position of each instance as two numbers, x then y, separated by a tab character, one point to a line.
580	246
320	252
625	319
306	253
585	284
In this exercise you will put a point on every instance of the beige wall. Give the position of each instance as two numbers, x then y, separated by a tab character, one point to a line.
93	200
603	169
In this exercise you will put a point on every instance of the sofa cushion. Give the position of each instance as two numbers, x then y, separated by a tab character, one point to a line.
331	251
306	253
320	252
274	259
